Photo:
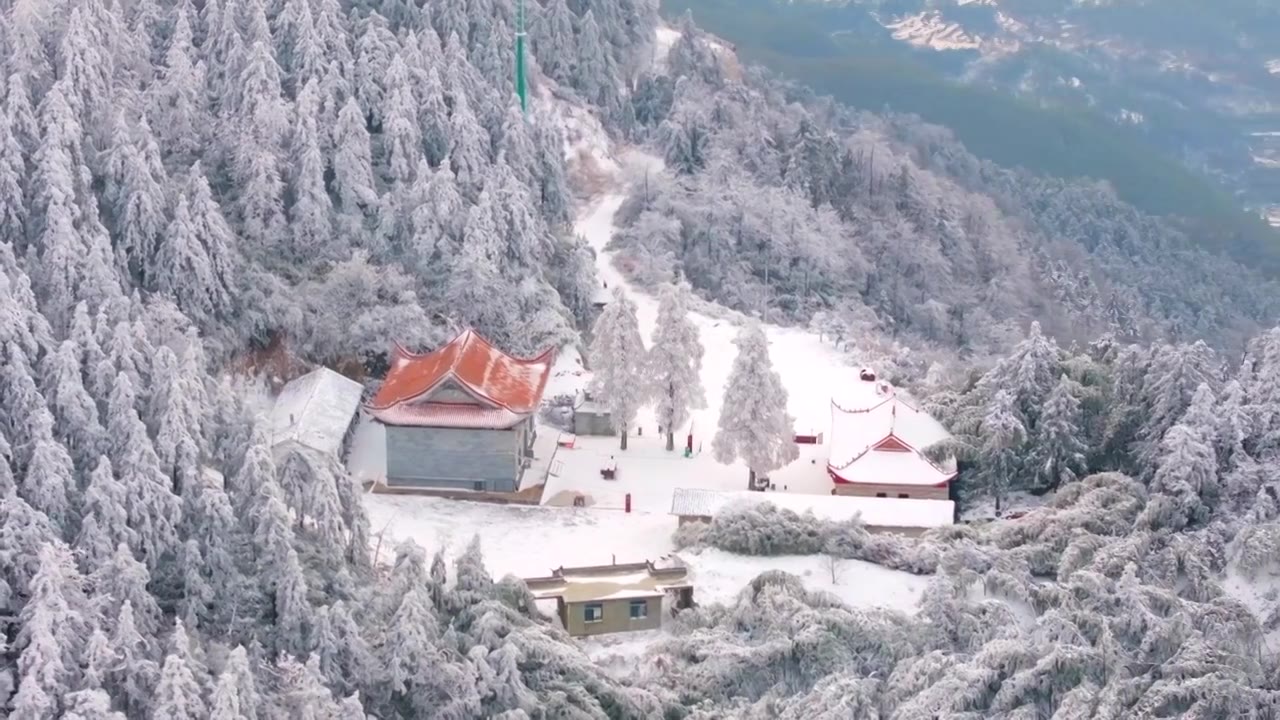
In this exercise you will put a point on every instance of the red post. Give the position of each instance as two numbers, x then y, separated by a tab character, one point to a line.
628	502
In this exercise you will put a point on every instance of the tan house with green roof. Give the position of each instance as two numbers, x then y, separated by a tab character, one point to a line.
602	599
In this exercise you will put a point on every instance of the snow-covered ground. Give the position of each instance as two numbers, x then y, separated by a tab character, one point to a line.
1260	594
532	541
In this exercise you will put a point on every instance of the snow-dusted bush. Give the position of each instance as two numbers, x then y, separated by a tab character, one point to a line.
767	530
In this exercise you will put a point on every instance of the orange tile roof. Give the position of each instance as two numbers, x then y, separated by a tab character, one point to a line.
494	377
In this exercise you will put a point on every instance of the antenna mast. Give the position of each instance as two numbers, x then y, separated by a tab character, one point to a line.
521	89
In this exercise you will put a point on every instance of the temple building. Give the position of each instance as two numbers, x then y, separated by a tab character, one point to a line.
878	441
460	417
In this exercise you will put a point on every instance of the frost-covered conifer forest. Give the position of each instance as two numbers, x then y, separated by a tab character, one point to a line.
186	187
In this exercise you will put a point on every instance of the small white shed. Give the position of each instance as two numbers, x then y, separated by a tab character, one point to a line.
315	411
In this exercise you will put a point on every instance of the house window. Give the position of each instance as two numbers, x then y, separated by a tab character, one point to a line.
593	612
881	495
903	495
639	609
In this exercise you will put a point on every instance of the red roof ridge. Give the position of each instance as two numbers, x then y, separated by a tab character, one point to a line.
470	334
909	446
512	392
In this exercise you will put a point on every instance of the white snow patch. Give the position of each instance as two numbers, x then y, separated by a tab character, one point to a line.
526	541
532	541
929	30
719	576
1260	594
664	39
1016	504
586	144
367	456
1132	117
568	374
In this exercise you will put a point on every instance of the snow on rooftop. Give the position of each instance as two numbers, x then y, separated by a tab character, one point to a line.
876	512
315	410
867	413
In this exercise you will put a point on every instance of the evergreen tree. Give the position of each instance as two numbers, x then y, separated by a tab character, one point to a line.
90	704
617	359
1176	372
215	236
594	71
105	524
754	424
235	694
1060	449
184	271
675	362
178	693
553	41
59	168
154	510
49	483
468	147
23	532
53	625
402	135
13	205
123	579
1002	447
311	209
134	678
433	115
345	658
75	412
352	162
139	204
292	611
303	692
179	112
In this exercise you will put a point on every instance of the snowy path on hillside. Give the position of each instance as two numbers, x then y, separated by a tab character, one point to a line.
812	372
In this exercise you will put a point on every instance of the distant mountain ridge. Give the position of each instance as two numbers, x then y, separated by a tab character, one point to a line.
1005	101
1199	80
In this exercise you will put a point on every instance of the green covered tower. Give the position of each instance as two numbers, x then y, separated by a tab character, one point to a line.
521	88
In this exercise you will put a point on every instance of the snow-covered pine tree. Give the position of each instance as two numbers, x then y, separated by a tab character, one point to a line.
75	412
617	357
754	425
1059	455
52	628
675	362
179	693
1001	452
311	209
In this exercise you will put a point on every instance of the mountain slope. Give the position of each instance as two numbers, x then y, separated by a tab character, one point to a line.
845	51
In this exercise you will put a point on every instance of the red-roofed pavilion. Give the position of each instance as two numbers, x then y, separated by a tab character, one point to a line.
460	416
